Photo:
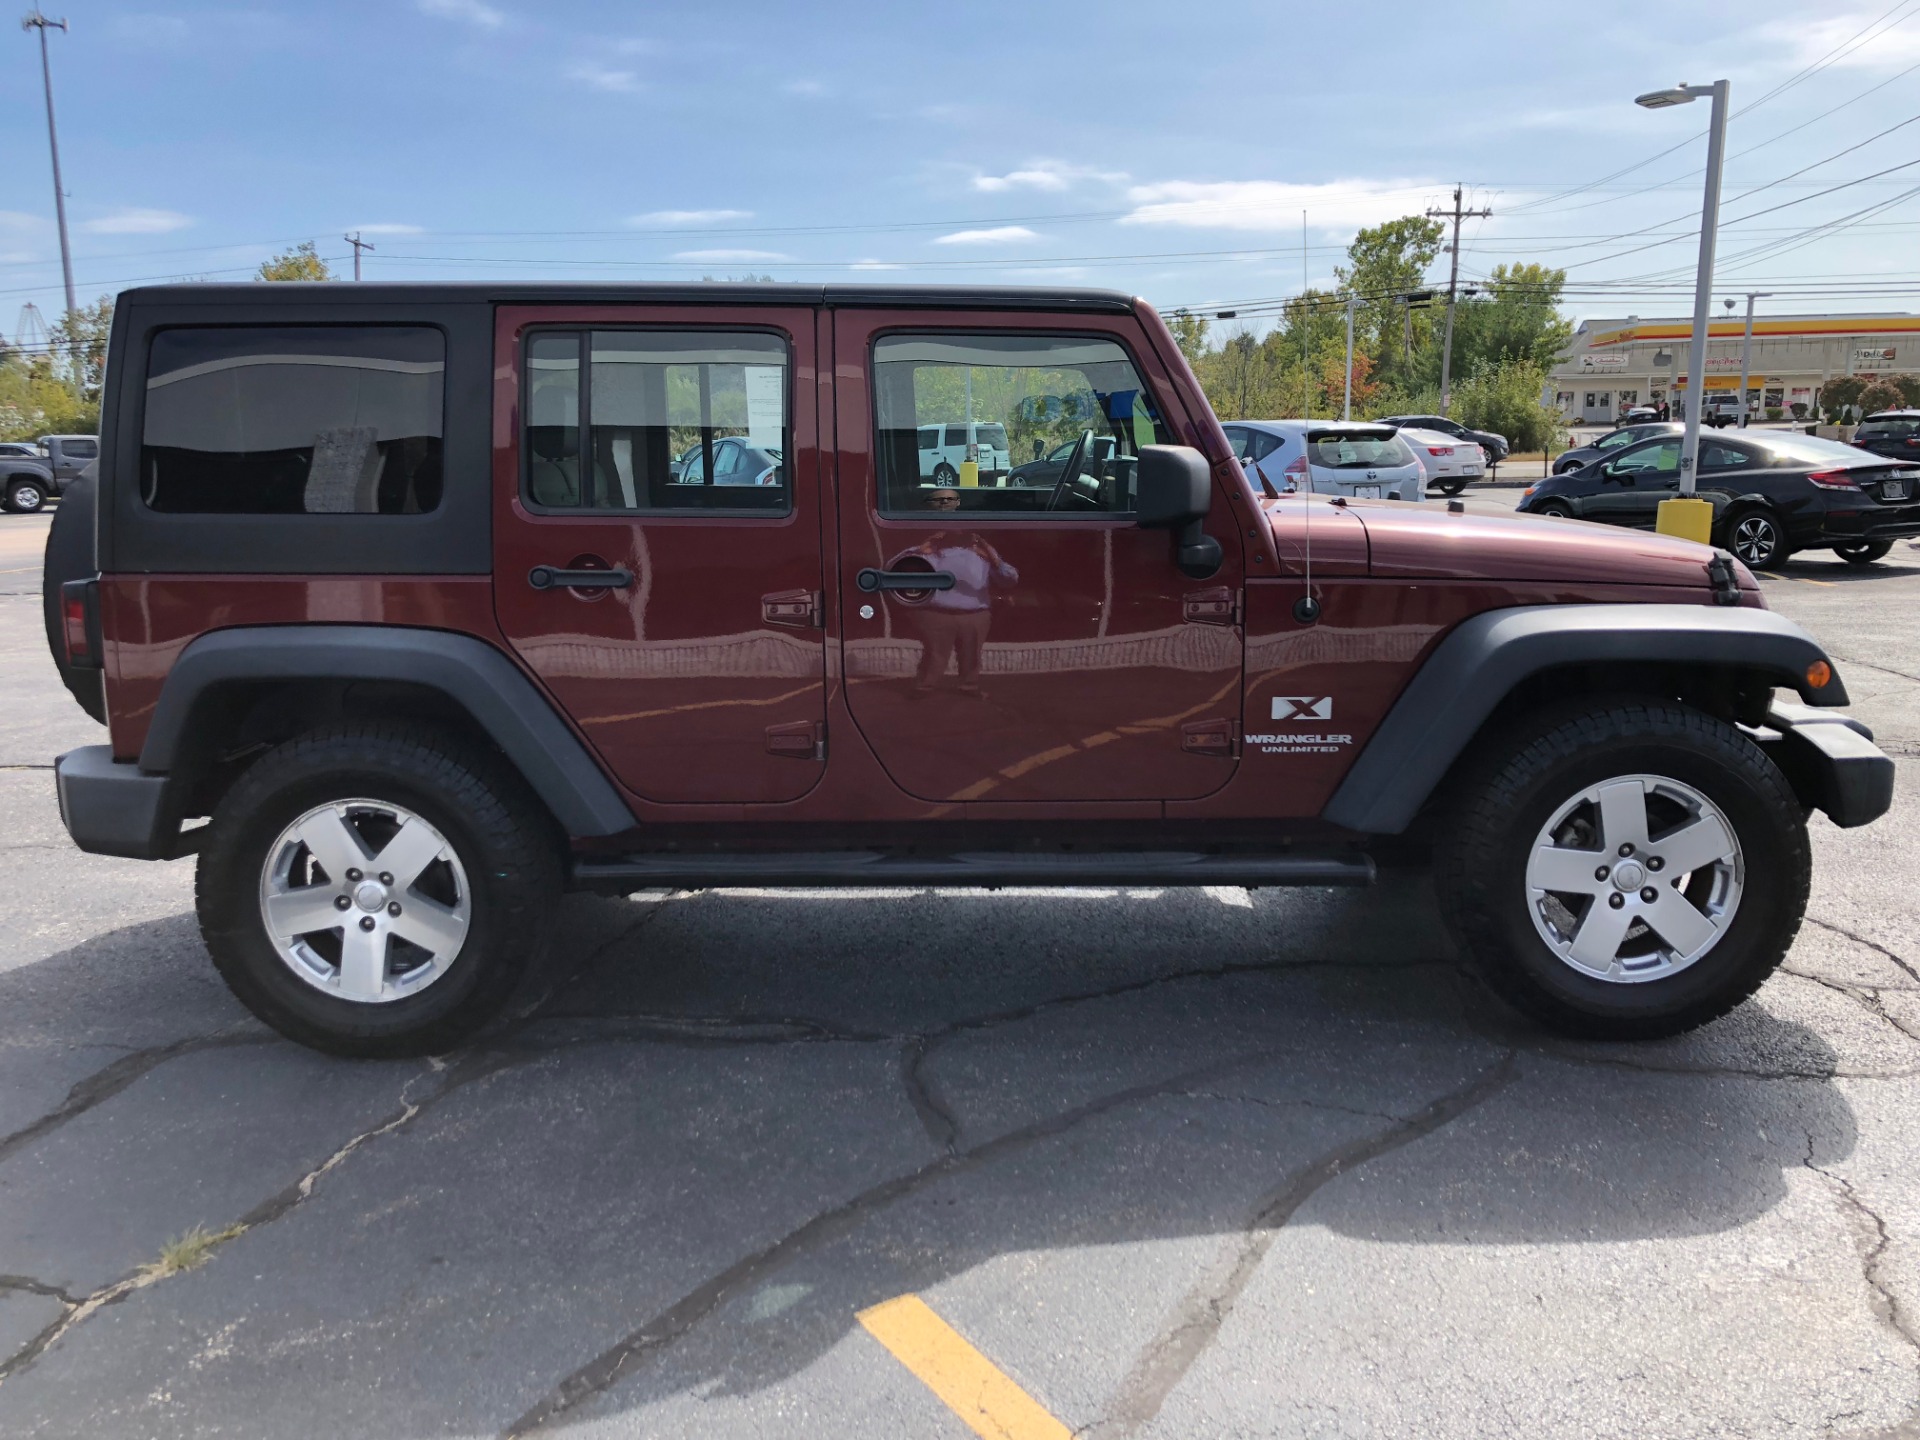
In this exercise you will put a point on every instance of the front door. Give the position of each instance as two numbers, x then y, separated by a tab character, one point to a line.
1055	651
1642	476
673	453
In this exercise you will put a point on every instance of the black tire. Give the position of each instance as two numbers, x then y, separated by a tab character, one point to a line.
945	475
1565	467
1863	552
1451	487
26	497
506	842
1480	873
1757	538
69	556
1558	509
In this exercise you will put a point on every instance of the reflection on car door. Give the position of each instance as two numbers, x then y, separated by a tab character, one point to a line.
1634	483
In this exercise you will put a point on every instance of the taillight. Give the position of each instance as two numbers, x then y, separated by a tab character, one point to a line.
1439	450
1834	479
1295	469
79	623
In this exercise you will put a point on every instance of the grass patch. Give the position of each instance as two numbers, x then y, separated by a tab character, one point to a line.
191	1250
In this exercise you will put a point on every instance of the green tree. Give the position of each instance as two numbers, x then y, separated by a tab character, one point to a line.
1505	399
1908	386
1382	262
1841	394
82	336
303	262
1882	394
1516	317
1189	333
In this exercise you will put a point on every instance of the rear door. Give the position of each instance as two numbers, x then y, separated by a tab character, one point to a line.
1056	652
625	443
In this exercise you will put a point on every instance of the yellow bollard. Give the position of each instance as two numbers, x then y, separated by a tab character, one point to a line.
970	474
1688	517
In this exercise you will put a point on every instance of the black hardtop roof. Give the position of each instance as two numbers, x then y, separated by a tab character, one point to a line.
928	297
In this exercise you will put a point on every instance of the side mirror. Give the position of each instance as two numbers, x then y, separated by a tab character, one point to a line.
1174	491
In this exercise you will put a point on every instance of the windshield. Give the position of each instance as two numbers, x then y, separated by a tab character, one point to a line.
1360	452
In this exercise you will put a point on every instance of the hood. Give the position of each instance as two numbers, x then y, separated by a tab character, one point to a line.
1411	542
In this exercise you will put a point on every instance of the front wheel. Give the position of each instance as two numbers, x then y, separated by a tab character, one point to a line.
376	889
1627	871
1756	537
1863	552
945	476
25	497
1554	509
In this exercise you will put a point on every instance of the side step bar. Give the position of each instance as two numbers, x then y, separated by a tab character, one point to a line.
985	869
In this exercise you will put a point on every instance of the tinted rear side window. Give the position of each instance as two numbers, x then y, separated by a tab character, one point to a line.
294	420
81	449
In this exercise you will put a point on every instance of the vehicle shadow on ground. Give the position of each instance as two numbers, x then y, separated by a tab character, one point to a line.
735	1120
1838	572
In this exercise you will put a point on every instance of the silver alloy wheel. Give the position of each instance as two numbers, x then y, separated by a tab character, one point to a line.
1755	538
1634	879
27	498
364	900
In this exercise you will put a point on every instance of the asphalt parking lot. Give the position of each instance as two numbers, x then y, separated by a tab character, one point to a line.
1120	1163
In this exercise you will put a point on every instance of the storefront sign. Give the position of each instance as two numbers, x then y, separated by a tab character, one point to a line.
1874	357
1591	362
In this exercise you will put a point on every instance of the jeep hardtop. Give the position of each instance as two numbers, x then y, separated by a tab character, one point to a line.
406	608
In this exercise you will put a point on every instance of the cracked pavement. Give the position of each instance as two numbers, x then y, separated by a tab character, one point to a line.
1177	1163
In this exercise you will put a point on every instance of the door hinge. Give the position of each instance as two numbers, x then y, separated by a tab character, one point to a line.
1218	606
1210	737
798	608
798	740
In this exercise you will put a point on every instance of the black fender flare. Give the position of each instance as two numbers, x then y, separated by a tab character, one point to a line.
1483	658
476	676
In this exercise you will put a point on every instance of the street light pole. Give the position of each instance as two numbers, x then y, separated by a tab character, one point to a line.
1746	350
36	21
1689	516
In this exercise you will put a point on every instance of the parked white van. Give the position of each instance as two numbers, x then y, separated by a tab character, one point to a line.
944	448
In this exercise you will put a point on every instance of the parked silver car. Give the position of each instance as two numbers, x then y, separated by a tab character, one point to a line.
1329	457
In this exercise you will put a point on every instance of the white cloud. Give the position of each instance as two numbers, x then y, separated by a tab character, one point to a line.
133	221
1049	175
875	265
17	257
472	12
996	235
1275	205
669	219
1809	40
388	227
742	256
601	77
805	89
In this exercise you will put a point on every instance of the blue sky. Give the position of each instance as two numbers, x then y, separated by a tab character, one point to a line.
1164	149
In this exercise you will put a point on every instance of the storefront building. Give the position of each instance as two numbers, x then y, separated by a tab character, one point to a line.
1613	365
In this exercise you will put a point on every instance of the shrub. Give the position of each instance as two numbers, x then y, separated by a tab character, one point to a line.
1506	400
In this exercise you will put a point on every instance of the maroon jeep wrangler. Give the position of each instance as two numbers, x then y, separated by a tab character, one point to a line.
409	607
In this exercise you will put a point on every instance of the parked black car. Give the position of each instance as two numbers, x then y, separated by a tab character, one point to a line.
1612	442
1495	445
1772	492
1892	433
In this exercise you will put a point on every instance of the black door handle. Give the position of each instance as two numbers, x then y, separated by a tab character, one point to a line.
553	577
871	580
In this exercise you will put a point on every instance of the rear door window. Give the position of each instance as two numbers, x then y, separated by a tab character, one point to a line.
1359	452
293	419
672	420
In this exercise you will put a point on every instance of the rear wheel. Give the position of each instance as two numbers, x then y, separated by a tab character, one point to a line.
1755	536
24	497
1450	487
1626	872
1863	552
376	890
945	475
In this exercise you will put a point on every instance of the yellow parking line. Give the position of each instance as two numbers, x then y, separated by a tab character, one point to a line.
966	1381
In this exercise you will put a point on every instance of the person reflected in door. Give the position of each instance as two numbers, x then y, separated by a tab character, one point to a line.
953	623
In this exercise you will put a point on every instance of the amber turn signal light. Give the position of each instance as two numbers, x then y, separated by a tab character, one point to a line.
1819	675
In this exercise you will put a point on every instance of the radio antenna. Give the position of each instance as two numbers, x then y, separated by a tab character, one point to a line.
1306	609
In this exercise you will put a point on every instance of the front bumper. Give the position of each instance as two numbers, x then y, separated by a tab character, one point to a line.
114	808
1831	762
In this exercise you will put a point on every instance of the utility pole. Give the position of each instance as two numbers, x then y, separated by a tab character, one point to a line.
1347	412
1746	351
36	21
1453	284
358	245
